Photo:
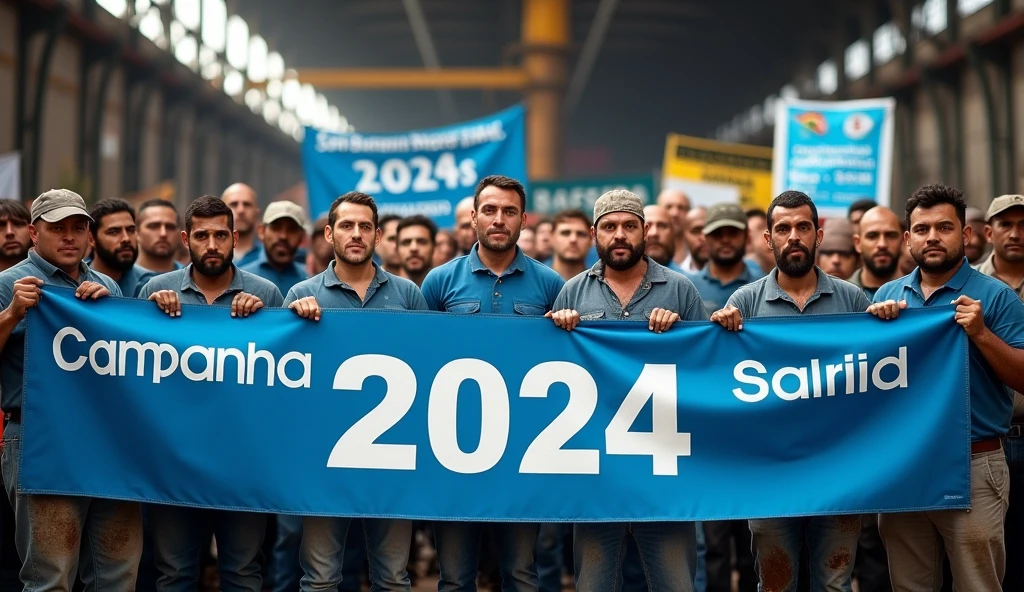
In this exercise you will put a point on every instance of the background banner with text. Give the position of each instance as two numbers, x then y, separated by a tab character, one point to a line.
418	172
369	413
711	172
551	197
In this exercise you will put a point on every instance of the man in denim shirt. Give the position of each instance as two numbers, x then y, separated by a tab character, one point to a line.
495	277
49	528
798	287
211	279
628	285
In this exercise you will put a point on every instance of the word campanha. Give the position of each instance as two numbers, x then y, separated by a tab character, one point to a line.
197	363
851	378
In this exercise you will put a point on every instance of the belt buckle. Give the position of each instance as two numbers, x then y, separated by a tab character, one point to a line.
1015	431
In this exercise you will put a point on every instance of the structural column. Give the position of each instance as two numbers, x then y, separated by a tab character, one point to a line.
545	37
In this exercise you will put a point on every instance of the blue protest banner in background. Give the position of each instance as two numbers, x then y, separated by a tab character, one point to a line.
834	151
418	172
438	416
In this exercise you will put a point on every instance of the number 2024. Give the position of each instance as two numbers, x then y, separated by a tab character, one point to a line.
357	448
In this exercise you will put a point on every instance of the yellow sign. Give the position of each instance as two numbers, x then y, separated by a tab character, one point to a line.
710	172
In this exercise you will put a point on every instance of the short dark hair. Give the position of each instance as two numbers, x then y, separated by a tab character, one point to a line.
937	194
357	198
791	200
157	203
861	205
502	182
756	213
208	206
418	220
386	218
566	215
106	207
13	209
542	221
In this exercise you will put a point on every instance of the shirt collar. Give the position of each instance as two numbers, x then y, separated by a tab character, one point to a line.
774	292
955	283
475	264
237	283
331	278
50	269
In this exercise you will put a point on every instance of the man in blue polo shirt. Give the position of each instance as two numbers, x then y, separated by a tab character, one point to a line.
993	318
49	528
353	280
725	231
495	277
798	287
116	245
280	234
625	284
211	279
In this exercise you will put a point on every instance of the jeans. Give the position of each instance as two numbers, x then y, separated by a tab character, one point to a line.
458	553
284	562
549	557
1014	529
50	531
180	533
322	551
872	565
972	539
831	546
667	553
725	537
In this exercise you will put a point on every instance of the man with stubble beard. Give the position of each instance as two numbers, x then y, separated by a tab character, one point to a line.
282	231
879	242
660	239
14	221
115	245
416	236
156	225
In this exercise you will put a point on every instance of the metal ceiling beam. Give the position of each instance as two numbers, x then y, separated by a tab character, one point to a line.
412	78
428	53
588	55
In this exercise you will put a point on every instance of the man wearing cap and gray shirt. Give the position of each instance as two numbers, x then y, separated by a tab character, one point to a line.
836	253
625	284
798	287
49	529
280	234
1005	231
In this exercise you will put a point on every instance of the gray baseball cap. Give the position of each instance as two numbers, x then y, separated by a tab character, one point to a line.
1003	203
618	200
725	214
57	204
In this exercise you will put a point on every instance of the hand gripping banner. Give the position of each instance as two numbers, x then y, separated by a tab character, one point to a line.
441	416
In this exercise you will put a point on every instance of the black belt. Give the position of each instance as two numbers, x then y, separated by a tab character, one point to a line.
12	416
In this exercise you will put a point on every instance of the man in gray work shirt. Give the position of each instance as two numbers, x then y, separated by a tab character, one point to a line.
798	287
627	285
211	279
353	280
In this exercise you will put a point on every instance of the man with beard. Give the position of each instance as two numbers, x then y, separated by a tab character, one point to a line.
836	253
496	277
246	208
158	236
726	271
660	239
353	281
416	247
211	279
626	284
115	245
879	242
1005	232
14	220
570	241
696	244
677	206
992	316
281	233
797	287
387	253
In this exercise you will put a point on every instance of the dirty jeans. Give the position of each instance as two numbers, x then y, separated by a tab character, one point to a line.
458	553
179	535
50	530
972	539
322	552
831	545
667	553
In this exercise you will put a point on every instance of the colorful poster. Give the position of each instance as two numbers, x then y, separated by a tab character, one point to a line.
837	152
710	172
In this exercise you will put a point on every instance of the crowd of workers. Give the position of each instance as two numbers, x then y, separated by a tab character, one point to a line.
661	263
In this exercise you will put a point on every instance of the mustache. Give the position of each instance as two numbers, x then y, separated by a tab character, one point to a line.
797	247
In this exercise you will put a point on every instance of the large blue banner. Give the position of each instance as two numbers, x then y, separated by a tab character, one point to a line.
438	416
419	172
834	151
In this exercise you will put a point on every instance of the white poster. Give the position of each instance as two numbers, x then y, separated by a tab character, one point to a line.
10	175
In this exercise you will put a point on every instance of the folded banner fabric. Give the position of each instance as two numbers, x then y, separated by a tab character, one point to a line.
486	417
